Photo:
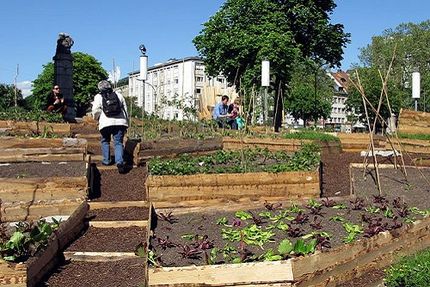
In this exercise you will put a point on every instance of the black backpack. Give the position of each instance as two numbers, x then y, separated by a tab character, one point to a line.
111	104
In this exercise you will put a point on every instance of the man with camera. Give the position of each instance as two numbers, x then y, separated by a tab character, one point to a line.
56	102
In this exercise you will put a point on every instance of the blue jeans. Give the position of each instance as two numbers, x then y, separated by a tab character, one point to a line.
117	132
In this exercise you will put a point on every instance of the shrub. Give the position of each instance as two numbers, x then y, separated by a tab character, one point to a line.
411	271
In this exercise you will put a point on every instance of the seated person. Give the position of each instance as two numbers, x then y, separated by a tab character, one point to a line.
56	102
233	111
220	113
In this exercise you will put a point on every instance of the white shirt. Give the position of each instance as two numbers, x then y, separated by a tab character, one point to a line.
104	121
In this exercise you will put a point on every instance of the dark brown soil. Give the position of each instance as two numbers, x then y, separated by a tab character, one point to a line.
415	190
335	171
109	239
123	273
122	187
370	279
205	224
127	213
37	169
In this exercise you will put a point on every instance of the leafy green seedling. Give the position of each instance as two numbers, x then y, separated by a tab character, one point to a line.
340	206
189	237
337	218
270	255
243	215
372	209
222	221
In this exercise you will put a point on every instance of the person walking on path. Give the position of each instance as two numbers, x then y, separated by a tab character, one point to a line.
110	109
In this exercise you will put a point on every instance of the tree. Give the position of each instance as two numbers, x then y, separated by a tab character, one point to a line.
242	33
372	85
310	94
409	41
7	97
87	72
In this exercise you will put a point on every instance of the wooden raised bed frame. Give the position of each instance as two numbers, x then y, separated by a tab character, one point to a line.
29	274
215	189
34	127
320	269
13	149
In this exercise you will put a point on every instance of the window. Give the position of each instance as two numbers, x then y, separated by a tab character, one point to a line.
198	91
199	79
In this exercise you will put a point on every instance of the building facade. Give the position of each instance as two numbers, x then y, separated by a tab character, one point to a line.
178	89
338	117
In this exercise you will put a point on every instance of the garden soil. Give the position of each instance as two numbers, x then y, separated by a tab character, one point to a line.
124	239
42	169
118	214
122	273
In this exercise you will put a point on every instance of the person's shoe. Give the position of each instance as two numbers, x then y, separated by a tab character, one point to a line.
121	168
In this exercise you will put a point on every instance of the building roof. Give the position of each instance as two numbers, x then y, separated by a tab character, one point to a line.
342	79
169	63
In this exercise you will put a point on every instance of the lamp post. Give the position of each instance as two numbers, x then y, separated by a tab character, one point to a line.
143	76
265	82
416	88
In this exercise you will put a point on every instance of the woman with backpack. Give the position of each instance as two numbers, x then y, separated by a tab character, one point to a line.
110	109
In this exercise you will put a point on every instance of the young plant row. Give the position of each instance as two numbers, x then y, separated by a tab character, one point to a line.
277	233
249	160
23	241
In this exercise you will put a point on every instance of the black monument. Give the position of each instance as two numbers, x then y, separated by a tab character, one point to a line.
63	73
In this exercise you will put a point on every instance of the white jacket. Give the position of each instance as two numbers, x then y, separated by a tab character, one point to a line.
104	121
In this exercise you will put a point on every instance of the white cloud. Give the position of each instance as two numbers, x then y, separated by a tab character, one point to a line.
25	87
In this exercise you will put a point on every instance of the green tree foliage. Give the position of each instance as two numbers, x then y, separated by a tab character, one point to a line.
242	33
7	97
372	85
410	43
87	72
310	94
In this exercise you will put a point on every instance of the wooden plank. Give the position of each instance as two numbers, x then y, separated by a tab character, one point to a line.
44	157
222	275
221	205
231	179
34	211
188	193
37	189
29	142
118	224
97	256
12	274
112	204
34	127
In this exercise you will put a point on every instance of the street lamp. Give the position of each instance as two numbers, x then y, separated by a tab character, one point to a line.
265	82
143	76
416	88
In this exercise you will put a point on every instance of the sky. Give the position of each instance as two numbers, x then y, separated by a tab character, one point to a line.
112	31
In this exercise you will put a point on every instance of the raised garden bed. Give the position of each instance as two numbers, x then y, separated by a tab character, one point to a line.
33	190
30	272
332	267
14	149
168	148
34	128
250	175
368	216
